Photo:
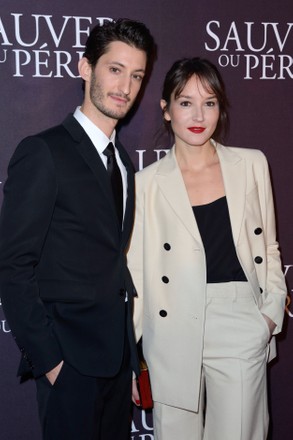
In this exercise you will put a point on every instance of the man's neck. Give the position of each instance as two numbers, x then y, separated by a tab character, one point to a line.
104	123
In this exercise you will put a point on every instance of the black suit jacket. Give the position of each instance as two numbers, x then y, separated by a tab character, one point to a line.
63	272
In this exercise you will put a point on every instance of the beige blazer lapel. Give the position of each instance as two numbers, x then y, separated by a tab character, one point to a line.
234	176
171	184
170	181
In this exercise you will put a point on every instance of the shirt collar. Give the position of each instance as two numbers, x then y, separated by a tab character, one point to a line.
97	136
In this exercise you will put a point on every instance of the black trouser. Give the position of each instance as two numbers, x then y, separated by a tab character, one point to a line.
80	407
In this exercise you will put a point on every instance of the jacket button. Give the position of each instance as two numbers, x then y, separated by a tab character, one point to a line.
163	313
258	260
122	292
167	247
258	231
165	280
260	289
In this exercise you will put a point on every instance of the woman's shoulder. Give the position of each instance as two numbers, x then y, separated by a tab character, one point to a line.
149	171
247	153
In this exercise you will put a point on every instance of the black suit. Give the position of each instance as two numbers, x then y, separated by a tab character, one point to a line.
62	255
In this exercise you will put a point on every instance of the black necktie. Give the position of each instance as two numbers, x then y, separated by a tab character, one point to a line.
116	179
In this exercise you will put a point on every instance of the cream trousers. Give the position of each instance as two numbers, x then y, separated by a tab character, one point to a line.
234	390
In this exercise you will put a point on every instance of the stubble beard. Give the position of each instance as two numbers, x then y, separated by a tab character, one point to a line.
97	97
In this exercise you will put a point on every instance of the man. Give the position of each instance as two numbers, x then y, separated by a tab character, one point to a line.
66	220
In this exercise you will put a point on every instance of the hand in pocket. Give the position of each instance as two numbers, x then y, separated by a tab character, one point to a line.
54	373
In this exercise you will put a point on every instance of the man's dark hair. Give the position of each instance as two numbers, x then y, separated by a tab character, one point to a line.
131	32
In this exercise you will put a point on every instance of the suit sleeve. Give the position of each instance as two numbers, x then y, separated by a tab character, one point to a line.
276	291
135	261
29	198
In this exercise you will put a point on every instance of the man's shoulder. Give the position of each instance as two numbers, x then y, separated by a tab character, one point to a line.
40	145
45	135
64	129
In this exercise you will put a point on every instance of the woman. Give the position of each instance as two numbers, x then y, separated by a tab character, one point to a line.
206	265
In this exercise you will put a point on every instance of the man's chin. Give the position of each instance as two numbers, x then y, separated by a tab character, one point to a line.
117	115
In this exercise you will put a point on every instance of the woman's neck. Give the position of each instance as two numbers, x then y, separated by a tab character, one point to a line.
195	157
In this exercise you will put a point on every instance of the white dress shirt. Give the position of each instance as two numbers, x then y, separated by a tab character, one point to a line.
101	141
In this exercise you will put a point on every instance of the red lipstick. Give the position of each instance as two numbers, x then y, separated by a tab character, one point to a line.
196	130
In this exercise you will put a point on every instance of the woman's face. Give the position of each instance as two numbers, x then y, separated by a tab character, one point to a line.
193	115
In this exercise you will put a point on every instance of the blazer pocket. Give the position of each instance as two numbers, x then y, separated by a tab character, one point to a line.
66	291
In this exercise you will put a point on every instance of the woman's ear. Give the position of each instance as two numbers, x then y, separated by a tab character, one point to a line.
163	105
84	69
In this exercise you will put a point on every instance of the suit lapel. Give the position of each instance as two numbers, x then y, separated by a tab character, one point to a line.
171	184
88	152
129	208
234	176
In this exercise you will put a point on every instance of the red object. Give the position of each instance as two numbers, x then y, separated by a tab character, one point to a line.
144	386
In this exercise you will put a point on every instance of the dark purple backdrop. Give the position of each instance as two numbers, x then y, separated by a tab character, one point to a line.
251	42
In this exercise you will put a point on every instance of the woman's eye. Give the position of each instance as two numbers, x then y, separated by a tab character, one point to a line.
211	103
184	103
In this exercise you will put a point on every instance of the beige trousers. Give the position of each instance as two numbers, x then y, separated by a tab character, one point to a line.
233	401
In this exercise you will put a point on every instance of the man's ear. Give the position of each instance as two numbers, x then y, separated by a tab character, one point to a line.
84	69
163	105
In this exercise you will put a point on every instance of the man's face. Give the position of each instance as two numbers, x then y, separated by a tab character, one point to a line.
116	79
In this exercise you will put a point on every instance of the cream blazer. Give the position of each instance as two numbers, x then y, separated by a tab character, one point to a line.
167	262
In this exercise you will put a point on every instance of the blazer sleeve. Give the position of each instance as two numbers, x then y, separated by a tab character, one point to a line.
135	261
29	198
276	291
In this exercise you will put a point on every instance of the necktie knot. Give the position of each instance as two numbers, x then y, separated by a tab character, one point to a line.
109	150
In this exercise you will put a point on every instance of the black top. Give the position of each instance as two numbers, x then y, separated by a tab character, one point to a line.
215	229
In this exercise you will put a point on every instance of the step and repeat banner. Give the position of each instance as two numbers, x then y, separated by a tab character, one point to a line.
251	42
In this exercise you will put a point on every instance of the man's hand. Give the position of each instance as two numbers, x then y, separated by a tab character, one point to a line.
135	394
53	374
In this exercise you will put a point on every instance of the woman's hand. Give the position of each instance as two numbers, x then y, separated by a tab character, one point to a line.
270	323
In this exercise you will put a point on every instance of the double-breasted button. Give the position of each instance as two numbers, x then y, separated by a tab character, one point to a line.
165	279
163	313
260	289
258	231
258	260
167	246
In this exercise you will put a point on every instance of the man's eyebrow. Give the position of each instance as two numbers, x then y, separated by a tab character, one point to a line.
118	63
